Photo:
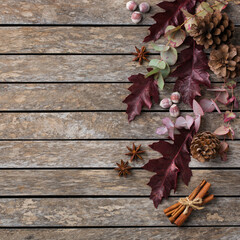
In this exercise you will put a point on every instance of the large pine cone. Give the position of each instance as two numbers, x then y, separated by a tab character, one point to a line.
212	30
205	146
225	62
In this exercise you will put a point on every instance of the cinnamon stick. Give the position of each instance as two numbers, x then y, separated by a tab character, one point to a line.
191	197
208	199
183	217
176	205
169	213
173	207
179	221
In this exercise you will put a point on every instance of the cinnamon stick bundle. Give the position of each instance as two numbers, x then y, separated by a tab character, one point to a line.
180	211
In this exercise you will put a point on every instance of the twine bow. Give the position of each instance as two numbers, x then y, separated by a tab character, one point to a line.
194	204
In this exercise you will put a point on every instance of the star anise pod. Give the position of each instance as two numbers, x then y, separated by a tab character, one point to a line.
140	55
135	152
123	169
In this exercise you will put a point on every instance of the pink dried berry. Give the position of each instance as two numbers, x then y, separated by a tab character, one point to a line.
166	103
175	97
174	111
136	17
144	7
131	5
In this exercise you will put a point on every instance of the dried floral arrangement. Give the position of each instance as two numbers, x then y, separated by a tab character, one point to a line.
192	29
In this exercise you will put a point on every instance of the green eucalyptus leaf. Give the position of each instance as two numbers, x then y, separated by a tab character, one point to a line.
219	6
189	21
175	35
152	72
157	63
160	48
160	82
165	72
203	9
170	56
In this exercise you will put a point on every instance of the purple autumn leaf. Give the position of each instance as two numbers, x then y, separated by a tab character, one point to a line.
197	123
222	97
182	122
162	130
228	116
167	128
223	150
223	130
197	109
207	105
216	106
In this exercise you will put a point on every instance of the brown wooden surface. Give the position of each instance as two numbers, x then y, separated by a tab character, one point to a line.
92	125
72	68
75	39
188	233
78	96
75	12
104	182
64	67
109	212
96	154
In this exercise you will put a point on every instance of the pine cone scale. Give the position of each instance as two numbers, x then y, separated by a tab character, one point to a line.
205	146
225	62
213	30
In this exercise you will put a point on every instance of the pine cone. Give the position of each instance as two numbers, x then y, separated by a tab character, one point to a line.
205	146
225	62
212	30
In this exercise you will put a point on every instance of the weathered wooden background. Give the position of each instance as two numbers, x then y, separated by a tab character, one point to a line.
63	68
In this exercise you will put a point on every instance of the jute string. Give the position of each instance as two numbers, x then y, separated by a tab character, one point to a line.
194	204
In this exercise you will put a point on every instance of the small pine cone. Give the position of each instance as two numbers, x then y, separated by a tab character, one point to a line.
205	146
213	30
225	62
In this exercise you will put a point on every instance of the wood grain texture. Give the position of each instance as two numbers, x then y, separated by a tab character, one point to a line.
109	212
70	12
91	125
106	182
90	154
188	233
79	97
74	39
75	12
72	68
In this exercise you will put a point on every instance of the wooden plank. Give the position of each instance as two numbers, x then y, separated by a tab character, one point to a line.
188	233
72	68
70	12
74	39
109	212
91	125
90	154
75	12
77	97
106	182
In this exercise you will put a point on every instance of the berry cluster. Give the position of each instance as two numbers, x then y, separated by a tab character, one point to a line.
136	17
168	103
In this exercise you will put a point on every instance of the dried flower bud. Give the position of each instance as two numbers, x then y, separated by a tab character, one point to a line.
131	5
136	17
174	111
166	103
175	97
144	7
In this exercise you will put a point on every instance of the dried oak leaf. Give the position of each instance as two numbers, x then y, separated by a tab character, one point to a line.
171	16
175	160
191	72
141	92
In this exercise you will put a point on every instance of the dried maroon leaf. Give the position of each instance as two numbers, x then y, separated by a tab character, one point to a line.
191	72
171	16
175	160
142	90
